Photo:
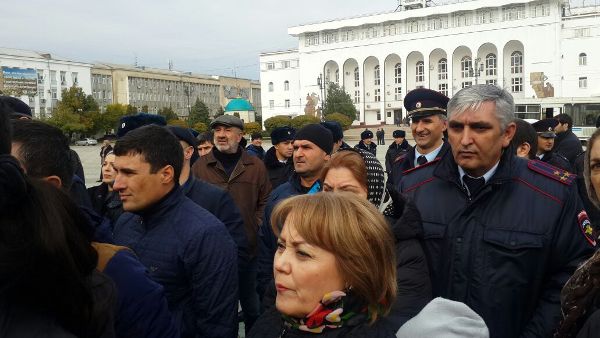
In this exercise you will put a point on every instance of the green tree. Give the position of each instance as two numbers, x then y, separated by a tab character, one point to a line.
177	122
302	120
132	110
67	121
77	101
252	127
200	127
341	118
277	121
338	101
144	108
168	113
198	113
219	112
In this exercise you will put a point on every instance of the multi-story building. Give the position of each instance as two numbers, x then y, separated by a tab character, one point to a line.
39	78
544	52
160	88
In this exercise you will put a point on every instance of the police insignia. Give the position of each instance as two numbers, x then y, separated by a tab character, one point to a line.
586	227
552	172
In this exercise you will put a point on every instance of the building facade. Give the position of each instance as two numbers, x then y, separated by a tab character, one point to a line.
544	52
39	78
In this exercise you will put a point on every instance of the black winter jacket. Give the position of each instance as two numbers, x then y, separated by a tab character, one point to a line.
279	173
106	204
557	160
394	151
569	145
404	163
507	251
372	147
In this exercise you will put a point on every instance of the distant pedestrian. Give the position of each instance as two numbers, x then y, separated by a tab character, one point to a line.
567	143
255	147
382	133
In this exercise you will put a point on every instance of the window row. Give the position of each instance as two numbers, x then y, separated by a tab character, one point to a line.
284	64
286	104
286	86
437	22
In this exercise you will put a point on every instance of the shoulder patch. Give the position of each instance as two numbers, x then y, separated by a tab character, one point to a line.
437	159
586	227
551	171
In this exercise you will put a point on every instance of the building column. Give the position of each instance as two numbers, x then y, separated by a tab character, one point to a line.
450	70
500	68
361	76
382	92
426	83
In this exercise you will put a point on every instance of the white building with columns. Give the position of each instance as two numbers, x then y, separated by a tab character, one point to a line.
544	52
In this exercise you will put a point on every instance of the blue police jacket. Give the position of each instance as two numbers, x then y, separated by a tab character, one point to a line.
507	251
190	253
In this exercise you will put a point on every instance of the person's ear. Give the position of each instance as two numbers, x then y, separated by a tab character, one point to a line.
167	174
54	180
188	152
523	150
508	134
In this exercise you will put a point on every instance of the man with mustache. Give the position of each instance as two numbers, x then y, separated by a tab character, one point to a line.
427	110
502	234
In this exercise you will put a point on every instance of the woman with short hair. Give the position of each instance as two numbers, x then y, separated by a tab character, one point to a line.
359	172
334	271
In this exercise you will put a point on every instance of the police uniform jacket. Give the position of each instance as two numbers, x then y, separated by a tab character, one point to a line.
394	151
555	159
568	144
507	251
371	147
407	162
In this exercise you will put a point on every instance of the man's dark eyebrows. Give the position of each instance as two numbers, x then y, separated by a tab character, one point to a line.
125	170
480	124
454	124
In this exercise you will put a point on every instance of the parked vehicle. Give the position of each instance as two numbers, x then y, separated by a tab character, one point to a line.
86	142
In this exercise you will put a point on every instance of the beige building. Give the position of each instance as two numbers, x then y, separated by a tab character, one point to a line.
160	88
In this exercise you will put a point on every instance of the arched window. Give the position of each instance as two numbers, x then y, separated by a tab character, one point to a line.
356	78
377	76
443	69
465	66
337	76
286	85
398	73
420	71
582	59
491	64
516	63
270	86
327	75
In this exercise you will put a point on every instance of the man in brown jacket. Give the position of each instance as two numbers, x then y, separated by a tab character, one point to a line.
246	179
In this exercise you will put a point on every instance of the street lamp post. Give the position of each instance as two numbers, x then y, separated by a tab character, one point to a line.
320	83
477	70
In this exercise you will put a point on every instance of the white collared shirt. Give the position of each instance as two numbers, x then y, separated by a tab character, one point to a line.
430	157
487	176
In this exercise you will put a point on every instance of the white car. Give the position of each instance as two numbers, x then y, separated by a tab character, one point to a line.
86	142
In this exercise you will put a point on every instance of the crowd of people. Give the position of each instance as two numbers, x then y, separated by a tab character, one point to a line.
486	227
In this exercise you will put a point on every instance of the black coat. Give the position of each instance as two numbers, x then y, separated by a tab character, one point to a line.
507	251
270	325
394	152
372	147
569	145
557	160
414	283
106	204
279	173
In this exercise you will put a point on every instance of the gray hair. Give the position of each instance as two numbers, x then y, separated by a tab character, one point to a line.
472	97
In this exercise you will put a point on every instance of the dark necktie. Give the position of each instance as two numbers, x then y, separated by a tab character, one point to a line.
421	160
473	184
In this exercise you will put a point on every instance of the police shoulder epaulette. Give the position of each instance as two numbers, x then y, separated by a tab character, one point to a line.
435	160
552	172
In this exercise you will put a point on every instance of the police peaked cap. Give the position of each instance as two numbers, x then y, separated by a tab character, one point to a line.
422	102
129	123
399	133
545	127
282	134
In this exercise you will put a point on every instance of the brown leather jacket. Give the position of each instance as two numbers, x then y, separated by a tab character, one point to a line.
248	185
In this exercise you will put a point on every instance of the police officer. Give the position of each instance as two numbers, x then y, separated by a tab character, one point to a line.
545	140
427	110
503	234
399	147
366	142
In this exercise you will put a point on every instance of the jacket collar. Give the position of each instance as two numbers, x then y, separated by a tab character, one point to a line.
244	160
188	185
271	160
447	169
153	215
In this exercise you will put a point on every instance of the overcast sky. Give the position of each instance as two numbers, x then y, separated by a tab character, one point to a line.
210	37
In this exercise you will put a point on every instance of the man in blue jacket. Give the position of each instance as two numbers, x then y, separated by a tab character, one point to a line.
313	145
503	234
185	248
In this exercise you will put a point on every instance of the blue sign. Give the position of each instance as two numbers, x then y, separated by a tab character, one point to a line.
18	81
